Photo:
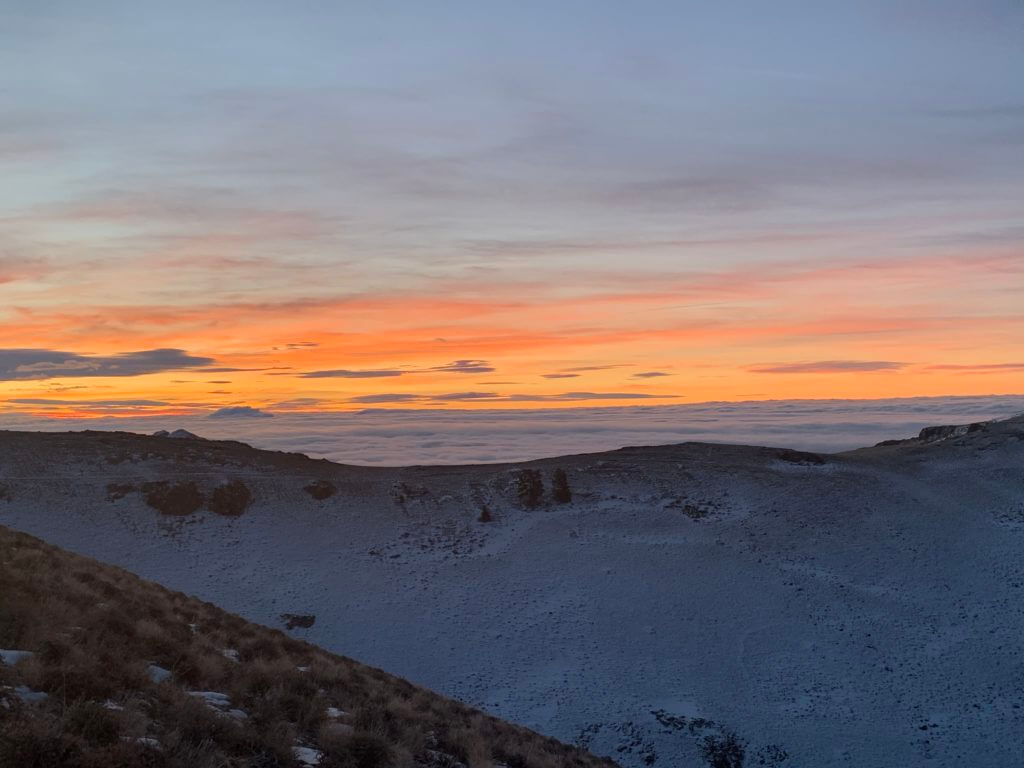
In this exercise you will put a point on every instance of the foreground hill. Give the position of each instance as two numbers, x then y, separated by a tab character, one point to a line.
102	669
858	609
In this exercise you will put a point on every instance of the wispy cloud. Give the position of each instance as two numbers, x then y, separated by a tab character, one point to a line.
496	397
20	268
465	366
979	367
343	373
457	366
386	397
239	412
90	403
650	374
16	364
829	366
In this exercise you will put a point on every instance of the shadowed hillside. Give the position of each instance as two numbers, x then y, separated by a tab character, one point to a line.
101	669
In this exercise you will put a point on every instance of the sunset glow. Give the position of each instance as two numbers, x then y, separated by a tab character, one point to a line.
298	210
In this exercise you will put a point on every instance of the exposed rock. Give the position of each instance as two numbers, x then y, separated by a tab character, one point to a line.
797	457
180	434
117	491
298	620
935	434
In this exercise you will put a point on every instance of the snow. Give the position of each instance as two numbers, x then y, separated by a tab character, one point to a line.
830	609
230	654
12	657
158	674
220	703
26	694
307	755
213	698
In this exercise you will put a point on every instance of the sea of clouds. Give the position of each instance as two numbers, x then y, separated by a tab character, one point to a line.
401	437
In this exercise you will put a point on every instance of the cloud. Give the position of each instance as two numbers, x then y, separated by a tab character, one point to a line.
21	364
20	268
593	396
560	375
300	404
343	373
395	397
239	411
236	370
465	366
386	397
439	435
584	368
650	374
457	366
980	368
829	366
86	403
461	396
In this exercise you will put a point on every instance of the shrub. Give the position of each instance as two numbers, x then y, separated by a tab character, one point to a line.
321	489
230	499
725	751
529	488
560	487
360	750
93	723
36	744
173	498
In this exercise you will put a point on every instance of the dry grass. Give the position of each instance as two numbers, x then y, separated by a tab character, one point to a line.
94	631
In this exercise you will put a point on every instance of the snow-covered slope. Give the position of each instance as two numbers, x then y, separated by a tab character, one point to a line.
860	609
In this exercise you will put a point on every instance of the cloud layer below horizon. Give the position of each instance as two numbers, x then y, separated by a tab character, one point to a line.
433	436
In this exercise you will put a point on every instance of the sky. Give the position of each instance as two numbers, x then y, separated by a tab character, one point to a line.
245	208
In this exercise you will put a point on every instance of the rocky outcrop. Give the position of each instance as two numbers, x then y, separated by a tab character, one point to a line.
935	434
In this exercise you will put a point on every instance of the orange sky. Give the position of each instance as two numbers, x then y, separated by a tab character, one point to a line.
934	324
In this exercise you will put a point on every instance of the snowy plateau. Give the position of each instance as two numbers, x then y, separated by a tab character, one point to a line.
863	608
